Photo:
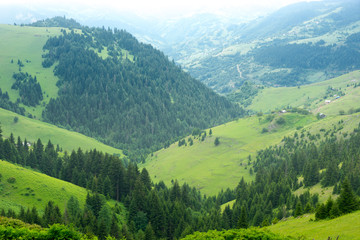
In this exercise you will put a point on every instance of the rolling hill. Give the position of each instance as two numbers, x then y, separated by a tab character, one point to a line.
33	129
343	93
105	84
34	189
211	168
344	227
25	44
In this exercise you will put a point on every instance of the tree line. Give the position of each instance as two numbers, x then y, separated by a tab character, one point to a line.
179	210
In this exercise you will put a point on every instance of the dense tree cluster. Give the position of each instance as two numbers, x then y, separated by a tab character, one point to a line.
245	94
95	218
136	102
302	57
57	22
167	212
162	212
9	105
29	89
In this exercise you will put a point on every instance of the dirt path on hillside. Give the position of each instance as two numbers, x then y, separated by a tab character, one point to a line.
238	69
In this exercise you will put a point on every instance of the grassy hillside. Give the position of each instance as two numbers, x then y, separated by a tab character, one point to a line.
212	168
32	129
346	227
312	96
34	189
25	44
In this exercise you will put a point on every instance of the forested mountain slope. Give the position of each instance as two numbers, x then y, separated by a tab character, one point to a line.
133	97
109	86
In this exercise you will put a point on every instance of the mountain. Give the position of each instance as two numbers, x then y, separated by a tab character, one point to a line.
107	85
297	44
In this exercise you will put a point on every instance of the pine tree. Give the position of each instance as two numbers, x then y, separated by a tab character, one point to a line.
52	214
298	210
321	212
243	223
308	208
73	208
145	178
334	211
347	200
149	233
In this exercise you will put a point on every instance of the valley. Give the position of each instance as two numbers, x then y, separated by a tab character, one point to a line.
235	128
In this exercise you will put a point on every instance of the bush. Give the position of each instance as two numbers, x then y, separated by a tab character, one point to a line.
11	180
264	130
280	121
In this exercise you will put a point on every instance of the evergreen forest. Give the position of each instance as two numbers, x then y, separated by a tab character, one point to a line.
179	210
136	98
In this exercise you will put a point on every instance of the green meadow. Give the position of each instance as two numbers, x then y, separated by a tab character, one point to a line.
312	96
211	168
346	227
34	189
33	129
26	44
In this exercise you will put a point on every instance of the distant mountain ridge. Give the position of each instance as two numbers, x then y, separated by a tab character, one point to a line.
225	54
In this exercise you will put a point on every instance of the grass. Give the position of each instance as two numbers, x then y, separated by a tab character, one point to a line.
230	203
311	96
34	189
211	168
324	193
32	129
346	227
25	44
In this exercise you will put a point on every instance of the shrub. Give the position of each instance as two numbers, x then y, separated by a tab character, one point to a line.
11	180
280	121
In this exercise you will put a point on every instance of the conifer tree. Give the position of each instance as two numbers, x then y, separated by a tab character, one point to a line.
243	218
347	200
149	233
298	210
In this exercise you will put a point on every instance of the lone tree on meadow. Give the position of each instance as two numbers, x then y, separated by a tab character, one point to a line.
217	141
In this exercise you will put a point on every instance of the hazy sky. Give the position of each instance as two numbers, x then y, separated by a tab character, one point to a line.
157	8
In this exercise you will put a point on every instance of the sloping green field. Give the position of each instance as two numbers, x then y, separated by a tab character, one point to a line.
212	168
312	96
346	227
34	189
25	44
32	130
